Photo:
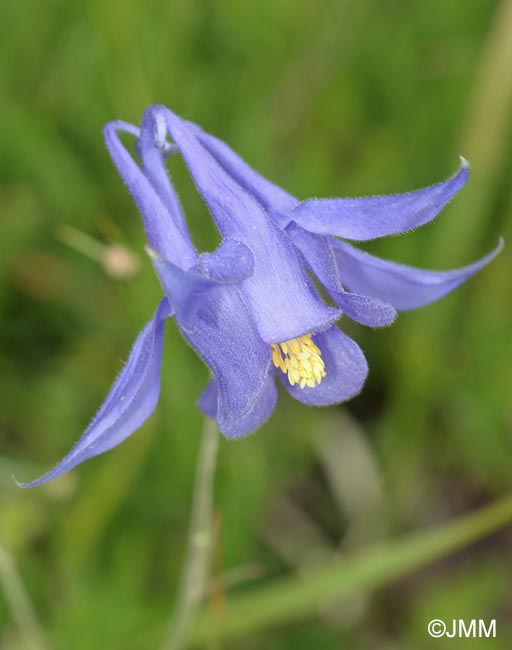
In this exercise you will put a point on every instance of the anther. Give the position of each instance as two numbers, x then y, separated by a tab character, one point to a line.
301	360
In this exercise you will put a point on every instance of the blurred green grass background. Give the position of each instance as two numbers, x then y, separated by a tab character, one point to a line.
326	99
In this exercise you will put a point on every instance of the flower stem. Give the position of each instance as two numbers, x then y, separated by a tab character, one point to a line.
196	569
81	242
20	605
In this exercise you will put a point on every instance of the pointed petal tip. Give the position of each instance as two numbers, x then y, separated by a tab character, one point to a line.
464	163
152	253
363	219
18	483
492	254
129	403
405	287
30	484
26	486
41	480
461	176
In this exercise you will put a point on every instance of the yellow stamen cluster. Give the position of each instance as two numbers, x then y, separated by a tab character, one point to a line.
300	359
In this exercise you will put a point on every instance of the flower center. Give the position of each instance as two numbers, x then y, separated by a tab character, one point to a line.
300	359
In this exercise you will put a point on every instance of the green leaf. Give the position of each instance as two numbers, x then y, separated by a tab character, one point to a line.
301	596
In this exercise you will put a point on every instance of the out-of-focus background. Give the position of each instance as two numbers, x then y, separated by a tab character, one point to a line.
326	99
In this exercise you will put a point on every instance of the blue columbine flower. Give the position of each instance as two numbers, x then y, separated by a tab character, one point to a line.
251	309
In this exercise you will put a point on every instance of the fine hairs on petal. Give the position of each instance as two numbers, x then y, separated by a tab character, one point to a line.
251	308
372	217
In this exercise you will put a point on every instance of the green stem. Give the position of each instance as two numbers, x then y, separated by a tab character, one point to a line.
81	242
20	605
196	569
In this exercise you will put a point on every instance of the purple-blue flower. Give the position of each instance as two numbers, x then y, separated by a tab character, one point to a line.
251	309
